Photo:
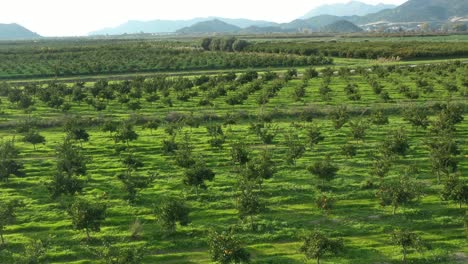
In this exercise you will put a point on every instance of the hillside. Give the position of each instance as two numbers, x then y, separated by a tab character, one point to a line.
170	26
352	8
212	26
419	11
341	26
15	31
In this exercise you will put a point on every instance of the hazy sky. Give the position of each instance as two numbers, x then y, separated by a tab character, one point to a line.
79	17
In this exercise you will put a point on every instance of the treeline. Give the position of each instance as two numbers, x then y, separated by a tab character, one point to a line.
123	57
224	44
364	50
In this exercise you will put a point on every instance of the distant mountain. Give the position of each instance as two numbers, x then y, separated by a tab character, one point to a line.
352	8
341	26
212	26
419	11
16	32
171	26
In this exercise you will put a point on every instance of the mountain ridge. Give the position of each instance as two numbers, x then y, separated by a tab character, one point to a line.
15	31
350	8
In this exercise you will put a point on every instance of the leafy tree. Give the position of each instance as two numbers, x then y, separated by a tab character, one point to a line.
406	240
397	192
183	157
339	117
455	190
325	92
381	166
325	202
260	168
152	125
125	133
35	251
217	137
266	132
109	126
295	148
197	175
172	211
352	91
417	116
379	118
443	152
9	163
349	150
226	248
75	131
239	153
34	138
396	143
248	203
114	255
299	92
317	245
71	164
87	215
324	169
169	146
358	129
449	116
131	164
8	215
310	73
314	135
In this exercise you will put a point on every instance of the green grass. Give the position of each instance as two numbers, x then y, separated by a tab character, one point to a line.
289	197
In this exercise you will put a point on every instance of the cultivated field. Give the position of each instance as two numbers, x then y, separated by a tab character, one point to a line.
381	132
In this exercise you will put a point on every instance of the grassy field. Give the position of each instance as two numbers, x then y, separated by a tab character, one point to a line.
289	196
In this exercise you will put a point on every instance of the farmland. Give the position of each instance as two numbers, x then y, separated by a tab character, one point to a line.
136	140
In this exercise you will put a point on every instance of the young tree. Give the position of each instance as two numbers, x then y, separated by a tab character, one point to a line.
71	164
87	215
379	118
397	192
260	168
310	73
8	215
114	255
349	150
125	133
226	248
217	137
75	131
325	202
172	211
239	153
449	116
324	170
34	138
197	175
265	131
417	116
248	203
317	245
339	117
396	143
406	240
9	163
358	129
314	135
295	148
152	125
443	155
455	190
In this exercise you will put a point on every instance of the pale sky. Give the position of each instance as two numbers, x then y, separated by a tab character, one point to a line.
79	17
